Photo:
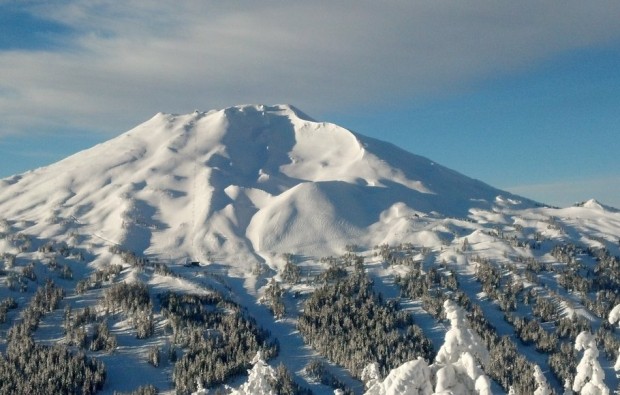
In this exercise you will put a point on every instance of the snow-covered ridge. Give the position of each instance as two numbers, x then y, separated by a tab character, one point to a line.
244	182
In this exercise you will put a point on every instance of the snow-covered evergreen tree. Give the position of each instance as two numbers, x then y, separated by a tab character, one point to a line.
614	317
411	378
201	390
590	377
457	362
483	385
542	387
370	375
260	380
456	368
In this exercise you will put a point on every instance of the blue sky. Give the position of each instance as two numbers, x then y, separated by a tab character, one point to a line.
521	95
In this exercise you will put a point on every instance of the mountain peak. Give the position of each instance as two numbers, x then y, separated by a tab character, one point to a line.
596	205
244	181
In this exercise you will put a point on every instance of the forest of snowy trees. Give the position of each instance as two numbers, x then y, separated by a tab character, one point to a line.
209	339
219	340
31	368
350	324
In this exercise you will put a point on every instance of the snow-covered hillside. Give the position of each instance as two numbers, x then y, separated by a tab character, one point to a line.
239	185
190	232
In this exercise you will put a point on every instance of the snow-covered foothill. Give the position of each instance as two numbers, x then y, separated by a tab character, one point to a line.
589	378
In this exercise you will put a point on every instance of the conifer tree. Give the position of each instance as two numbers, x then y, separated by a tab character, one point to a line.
457	362
590	377
614	317
542	387
412	377
260	380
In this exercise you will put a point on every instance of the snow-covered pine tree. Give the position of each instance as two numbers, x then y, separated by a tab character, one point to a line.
411	378
370	375
590	377
614	317
457	363
260	380
542	387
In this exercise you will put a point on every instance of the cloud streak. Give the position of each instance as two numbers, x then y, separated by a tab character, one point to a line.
125	61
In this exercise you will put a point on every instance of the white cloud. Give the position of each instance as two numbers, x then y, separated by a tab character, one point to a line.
131	59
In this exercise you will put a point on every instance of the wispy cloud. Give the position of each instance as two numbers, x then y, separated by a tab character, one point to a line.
125	61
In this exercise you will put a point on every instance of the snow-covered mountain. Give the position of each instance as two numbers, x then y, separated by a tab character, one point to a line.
241	184
283	213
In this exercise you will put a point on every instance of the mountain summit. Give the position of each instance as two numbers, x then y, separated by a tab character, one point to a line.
241	185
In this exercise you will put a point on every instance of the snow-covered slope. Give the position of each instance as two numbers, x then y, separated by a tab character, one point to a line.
239	185
236	188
